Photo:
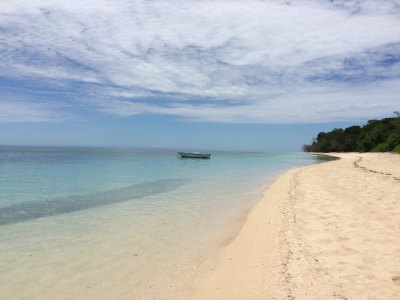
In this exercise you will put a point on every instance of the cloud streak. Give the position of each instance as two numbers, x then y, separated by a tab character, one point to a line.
22	111
227	61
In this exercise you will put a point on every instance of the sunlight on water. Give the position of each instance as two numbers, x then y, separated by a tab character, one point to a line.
117	223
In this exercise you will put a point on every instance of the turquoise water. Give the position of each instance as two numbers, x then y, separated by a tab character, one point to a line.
70	217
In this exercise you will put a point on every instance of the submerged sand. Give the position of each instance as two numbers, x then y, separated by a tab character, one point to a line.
328	231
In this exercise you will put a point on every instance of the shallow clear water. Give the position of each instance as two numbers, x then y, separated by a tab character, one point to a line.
90	223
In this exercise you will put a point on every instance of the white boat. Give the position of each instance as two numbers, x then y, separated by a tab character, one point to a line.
194	155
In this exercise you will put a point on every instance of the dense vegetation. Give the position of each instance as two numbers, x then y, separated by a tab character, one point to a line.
376	136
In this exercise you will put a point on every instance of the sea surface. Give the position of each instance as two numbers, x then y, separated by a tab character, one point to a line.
94	223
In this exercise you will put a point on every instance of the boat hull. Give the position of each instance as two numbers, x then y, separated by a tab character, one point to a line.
194	155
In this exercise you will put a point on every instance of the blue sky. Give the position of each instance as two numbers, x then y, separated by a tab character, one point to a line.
245	75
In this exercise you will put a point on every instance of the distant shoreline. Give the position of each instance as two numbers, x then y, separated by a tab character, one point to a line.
325	231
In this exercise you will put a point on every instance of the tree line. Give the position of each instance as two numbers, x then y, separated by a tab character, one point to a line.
376	136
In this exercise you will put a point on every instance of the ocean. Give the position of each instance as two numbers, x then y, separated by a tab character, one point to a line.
97	223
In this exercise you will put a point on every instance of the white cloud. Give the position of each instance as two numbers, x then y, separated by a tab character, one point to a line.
20	111
229	61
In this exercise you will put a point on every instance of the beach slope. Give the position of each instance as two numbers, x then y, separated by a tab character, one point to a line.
328	231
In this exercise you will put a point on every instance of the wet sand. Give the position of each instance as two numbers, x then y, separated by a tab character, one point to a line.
328	231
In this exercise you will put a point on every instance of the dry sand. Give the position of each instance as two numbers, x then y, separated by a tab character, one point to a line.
329	231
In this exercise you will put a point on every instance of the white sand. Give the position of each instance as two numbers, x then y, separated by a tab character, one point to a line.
329	231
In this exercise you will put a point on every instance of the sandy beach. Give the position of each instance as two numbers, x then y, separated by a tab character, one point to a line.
328	231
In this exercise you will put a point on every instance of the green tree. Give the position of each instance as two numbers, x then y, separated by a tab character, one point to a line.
377	135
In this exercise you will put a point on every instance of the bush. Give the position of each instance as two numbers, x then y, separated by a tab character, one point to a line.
397	149
383	147
393	140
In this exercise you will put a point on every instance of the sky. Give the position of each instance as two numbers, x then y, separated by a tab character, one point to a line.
235	75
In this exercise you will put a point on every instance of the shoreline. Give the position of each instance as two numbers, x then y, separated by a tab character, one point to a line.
311	236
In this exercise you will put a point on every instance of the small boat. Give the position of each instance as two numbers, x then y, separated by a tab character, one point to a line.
194	155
